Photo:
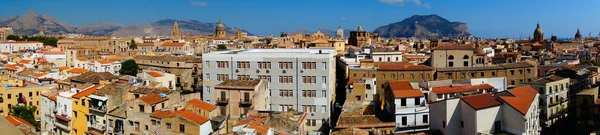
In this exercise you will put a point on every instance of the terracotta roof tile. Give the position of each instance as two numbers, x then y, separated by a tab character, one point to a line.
78	70
24	61
454	47
403	89
394	67
201	104
154	74
457	89
88	91
38	75
105	61
521	99
82	59
481	101
173	44
161	113
61	68
152	99
259	127
16	121
190	116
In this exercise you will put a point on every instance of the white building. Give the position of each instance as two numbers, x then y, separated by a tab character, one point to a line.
411	112
167	80
111	66
47	112
439	93
514	112
499	83
58	58
16	46
64	112
252	128
300	79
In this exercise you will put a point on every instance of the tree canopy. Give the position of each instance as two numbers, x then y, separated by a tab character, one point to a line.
24	112
222	47
129	67
132	45
52	41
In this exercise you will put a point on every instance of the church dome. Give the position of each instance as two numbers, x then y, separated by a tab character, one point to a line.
578	34
220	25
538	30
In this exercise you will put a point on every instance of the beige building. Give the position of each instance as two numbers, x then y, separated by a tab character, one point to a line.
4	32
75	53
553	98
165	79
237	97
187	69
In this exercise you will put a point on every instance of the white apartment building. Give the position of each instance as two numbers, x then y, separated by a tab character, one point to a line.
514	112
554	97
64	112
300	79
167	80
16	46
47	115
110	66
411	111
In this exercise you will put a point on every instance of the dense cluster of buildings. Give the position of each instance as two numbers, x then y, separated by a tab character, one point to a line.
309	83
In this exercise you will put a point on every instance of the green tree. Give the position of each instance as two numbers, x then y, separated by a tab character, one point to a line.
13	37
129	67
24	112
132	45
222	47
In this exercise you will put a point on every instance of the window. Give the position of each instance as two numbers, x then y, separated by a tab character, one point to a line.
141	108
401	76
264	65
520	71
404	121
286	79
324	93
30	94
285	65
512	72
412	76
8	95
243	64
528	71
324	79
207	76
494	74
222	64
222	77
207	63
323	108
449	75
403	102
417	101
428	76
181	128
309	79
168	125
482	74
425	119
324	65
393	76
309	65
450	64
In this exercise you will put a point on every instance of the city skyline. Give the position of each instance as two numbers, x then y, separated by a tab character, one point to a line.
488	19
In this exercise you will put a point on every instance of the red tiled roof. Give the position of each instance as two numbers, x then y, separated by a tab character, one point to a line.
88	91
16	121
396	67
154	74
61	68
172	44
521	99
81	59
38	75
457	89
152	99
201	104
24	61
260	128
78	70
161	113
190	116
454	47
481	101
403	89
105	61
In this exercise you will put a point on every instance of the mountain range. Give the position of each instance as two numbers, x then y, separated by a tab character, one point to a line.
31	23
424	26
328	32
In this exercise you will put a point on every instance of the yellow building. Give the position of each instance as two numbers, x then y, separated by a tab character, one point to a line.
81	111
19	92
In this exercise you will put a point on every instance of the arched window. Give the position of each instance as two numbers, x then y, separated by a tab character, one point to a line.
466	61
379	58
389	59
466	57
450	57
450	61
397	59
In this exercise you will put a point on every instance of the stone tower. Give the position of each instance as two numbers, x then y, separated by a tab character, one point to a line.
220	30
340	32
176	34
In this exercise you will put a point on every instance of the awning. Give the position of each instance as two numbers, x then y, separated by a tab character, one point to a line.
98	97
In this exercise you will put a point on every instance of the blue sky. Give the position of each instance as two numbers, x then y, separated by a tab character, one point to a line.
485	18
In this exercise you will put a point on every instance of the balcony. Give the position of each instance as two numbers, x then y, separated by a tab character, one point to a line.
101	109
412	128
100	128
222	100
63	123
246	101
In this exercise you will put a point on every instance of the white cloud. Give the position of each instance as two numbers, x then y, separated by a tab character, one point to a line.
401	2
199	3
426	5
